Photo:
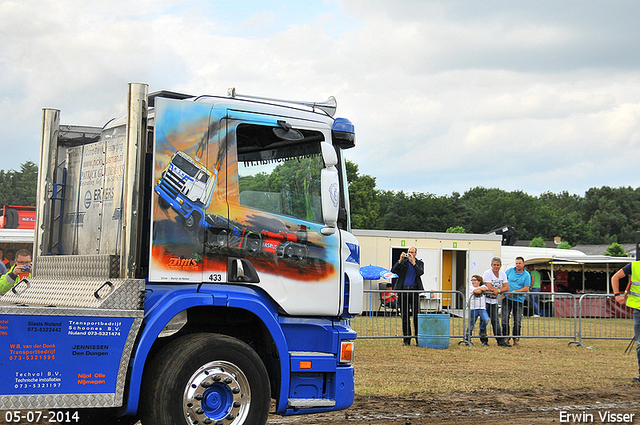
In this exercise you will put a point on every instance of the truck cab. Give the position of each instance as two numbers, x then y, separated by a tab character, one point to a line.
192	263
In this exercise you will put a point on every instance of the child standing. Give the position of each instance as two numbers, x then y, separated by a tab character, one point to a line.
477	304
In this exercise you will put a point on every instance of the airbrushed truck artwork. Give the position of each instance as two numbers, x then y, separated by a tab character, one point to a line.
192	265
241	188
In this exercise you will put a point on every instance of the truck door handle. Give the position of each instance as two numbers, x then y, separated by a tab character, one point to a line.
241	270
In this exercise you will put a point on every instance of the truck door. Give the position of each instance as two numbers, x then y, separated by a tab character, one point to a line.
275	212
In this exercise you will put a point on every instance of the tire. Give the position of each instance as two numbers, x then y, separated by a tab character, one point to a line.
222	238
12	219
191	222
252	243
163	204
206	379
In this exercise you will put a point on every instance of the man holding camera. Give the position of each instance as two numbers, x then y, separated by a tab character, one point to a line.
409	270
21	269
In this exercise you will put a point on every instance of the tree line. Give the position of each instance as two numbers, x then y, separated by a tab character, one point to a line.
602	216
19	187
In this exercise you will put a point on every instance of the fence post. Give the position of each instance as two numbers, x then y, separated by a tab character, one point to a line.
577	314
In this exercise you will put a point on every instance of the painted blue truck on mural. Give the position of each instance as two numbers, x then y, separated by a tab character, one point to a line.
192	265
186	186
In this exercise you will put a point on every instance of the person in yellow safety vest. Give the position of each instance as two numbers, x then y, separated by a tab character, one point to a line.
632	299
21	269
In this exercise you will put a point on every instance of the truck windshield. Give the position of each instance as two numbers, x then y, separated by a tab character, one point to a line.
185	165
282	178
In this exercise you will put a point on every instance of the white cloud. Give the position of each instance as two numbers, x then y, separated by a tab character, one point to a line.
433	87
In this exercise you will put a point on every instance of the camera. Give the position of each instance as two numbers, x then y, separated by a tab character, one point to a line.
26	269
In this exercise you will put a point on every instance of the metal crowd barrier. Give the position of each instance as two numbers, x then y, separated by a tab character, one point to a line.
556	316
381	321
559	315
601	317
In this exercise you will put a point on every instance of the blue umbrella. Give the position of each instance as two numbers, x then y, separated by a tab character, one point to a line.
374	273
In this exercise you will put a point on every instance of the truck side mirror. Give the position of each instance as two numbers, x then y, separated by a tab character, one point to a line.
329	155
330	199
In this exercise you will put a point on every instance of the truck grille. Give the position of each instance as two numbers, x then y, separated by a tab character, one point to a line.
172	183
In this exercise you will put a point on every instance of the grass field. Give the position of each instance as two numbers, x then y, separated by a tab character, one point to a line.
385	367
389	326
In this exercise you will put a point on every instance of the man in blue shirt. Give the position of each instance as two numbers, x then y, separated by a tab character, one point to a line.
409	269
519	282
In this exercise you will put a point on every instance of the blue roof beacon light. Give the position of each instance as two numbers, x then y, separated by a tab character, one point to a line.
343	133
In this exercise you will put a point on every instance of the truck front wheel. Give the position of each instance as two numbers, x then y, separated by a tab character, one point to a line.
191	222
206	379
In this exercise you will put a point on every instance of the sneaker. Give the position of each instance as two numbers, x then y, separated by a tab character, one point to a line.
485	344
516	341
636	379
536	315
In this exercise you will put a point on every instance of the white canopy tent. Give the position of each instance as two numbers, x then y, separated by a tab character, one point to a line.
565	259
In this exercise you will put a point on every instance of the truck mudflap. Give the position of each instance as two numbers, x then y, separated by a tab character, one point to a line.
64	357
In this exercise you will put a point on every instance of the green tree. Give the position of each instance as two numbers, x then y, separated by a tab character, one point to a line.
602	215
612	213
19	187
564	245
537	242
490	208
424	212
363	198
615	250
456	229
292	188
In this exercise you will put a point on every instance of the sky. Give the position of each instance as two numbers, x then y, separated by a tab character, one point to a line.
539	96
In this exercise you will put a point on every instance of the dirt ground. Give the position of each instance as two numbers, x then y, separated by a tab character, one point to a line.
496	407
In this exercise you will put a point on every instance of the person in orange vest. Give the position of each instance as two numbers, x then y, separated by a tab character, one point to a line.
21	269
390	298
8	259
630	297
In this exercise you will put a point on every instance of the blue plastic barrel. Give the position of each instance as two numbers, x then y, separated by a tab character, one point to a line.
433	330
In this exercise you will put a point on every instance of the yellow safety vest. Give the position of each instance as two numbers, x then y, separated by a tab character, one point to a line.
633	299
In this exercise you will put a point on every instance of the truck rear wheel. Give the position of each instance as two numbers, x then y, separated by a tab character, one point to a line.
206	379
191	222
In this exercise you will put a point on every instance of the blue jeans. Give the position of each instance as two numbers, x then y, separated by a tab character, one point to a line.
492	309
535	300
636	332
509	306
473	317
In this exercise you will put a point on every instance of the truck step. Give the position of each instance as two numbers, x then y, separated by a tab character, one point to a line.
310	402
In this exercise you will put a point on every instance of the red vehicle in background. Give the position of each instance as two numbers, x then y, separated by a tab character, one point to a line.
17	217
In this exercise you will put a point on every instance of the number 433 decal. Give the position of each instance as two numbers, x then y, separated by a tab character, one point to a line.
216	277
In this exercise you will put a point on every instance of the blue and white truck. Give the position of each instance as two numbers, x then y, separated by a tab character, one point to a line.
133	311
